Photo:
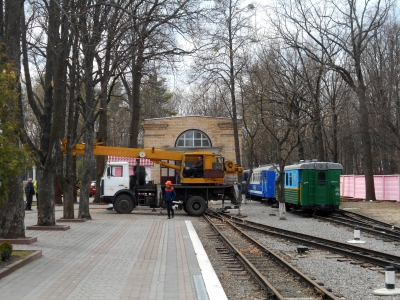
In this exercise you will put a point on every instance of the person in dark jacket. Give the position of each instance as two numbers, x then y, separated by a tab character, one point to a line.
29	192
169	196
197	169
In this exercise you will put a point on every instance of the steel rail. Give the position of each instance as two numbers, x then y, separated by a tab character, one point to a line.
378	231
375	257
322	291
354	215
267	286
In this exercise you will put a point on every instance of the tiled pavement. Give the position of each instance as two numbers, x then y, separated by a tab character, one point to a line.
135	256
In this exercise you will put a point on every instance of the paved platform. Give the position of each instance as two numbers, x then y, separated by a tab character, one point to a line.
136	256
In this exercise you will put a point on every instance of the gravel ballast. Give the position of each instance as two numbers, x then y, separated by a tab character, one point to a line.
348	281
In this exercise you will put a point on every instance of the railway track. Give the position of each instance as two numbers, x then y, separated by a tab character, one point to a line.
374	227
365	257
278	278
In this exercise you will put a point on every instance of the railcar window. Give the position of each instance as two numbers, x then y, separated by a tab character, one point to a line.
255	177
294	179
290	179
321	178
286	179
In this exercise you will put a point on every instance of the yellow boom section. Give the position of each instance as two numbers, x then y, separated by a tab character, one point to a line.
152	154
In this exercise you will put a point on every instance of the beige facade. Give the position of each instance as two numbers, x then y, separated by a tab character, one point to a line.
162	133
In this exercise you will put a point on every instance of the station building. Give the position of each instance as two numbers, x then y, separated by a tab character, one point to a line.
189	133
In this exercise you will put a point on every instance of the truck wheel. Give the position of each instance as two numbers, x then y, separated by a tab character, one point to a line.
196	206
123	204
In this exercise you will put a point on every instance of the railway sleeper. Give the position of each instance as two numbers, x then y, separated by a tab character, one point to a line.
235	269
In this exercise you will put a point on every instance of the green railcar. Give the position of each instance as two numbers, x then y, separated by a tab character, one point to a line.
313	186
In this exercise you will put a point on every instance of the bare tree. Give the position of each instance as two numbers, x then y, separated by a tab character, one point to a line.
227	37
340	29
382	59
206	100
153	31
335	92
51	112
283	111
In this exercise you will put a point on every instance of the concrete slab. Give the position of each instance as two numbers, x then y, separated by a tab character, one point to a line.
114	256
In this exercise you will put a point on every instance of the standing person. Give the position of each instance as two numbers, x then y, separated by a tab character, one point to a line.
35	186
169	196
29	192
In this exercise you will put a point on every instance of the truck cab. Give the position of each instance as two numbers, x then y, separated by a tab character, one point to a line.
115	178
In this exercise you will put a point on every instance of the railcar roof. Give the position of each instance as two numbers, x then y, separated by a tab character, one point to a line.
266	168
318	165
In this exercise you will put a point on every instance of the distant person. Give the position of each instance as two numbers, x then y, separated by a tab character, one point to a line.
35	186
169	196
197	169
29	192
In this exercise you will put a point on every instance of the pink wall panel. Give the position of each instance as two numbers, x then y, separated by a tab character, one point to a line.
387	187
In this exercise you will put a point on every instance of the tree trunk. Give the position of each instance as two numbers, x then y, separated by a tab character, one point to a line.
282	211
46	211
280	188
103	118
70	191
135	105
367	145
12	205
89	140
233	101
86	176
69	188
53	119
57	192
12	211
335	148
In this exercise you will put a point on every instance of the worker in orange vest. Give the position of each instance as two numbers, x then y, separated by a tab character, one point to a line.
169	196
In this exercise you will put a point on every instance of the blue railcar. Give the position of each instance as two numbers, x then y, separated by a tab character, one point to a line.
262	183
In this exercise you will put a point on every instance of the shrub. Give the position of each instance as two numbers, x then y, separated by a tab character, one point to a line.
5	251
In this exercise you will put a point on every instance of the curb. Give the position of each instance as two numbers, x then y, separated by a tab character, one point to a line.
22	241
71	220
53	228
19	264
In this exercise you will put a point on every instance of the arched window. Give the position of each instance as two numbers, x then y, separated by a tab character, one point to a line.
193	138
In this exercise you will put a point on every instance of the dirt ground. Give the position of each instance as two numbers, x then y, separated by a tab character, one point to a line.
386	211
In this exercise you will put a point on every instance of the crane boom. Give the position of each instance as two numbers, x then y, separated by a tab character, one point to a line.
99	149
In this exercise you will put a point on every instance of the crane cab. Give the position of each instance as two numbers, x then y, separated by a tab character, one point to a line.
202	167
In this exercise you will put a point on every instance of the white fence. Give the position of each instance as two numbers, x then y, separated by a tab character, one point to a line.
387	187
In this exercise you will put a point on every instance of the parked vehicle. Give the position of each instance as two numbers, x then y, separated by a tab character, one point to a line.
93	189
313	186
262	183
126	189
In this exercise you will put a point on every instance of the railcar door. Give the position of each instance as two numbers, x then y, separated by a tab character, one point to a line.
264	184
321	188
334	188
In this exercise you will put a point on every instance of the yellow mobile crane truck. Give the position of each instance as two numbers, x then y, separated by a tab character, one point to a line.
126	188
